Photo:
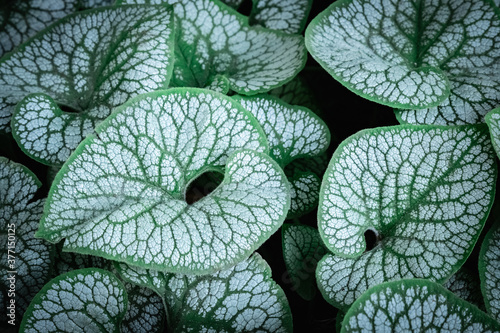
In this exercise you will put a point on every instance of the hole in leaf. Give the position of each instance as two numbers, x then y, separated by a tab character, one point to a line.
67	108
202	186
371	239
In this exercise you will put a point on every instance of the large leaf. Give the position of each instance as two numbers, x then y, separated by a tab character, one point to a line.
293	132
243	298
80	69
424	191
132	177
489	271
289	16
415	306
85	300
302	249
413	54
214	42
25	262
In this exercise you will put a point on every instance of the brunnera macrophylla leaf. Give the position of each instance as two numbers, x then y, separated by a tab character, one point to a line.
425	191
465	284
65	262
297	92
19	220
121	195
293	132
73	74
145	311
89	299
243	298
213	39
409	55
285	15
489	271
22	19
302	249
417	306
493	121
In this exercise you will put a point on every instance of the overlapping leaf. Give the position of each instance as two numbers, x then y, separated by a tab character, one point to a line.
465	284
90	300
145	311
293	132
80	69
411	54
425	191
243	298
289	16
121	194
297	92
415	306
214	40
20	20
302	249
29	259
489	271
493	121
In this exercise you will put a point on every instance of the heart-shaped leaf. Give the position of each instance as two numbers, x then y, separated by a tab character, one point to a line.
88	63
302	249
132	177
243	298
416	306
288	16
293	132
215	40
493	121
412	55
424	191
89	299
25	262
489	271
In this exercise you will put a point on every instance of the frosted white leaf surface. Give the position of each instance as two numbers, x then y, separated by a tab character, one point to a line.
20	251
243	298
286	15
442	56
121	195
415	306
85	300
70	76
425	191
213	39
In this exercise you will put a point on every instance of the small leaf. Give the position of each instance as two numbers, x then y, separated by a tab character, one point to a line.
88	63
132	177
465	284
493	121
302	249
145	312
243	298
425	191
21	252
489	271
90	300
293	132
417	306
297	92
213	39
413	55
288	16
